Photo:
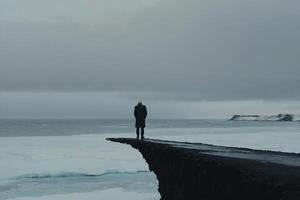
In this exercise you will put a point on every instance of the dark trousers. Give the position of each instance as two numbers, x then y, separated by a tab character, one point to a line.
138	132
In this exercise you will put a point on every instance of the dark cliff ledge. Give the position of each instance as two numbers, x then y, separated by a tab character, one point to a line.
190	171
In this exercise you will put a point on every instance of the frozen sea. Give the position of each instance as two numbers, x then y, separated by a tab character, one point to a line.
53	159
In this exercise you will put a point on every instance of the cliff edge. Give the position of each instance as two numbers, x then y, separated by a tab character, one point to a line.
190	171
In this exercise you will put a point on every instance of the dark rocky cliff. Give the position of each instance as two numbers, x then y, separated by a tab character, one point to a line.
189	171
279	118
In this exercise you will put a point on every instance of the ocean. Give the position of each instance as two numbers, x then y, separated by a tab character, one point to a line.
70	159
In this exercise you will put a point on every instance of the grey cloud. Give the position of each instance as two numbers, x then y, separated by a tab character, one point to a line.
116	105
191	50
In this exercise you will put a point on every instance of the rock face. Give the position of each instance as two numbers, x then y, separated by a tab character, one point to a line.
279	117
193	171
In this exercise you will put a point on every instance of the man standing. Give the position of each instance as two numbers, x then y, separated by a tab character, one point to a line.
140	114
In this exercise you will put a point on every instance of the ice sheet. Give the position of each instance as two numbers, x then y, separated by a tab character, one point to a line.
115	193
65	155
62	159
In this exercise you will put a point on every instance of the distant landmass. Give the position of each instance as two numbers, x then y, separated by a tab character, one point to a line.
279	117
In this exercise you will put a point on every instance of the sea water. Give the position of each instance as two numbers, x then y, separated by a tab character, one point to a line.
70	159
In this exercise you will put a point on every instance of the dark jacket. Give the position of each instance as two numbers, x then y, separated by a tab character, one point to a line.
140	114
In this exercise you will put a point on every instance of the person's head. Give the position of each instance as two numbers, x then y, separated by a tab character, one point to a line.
140	101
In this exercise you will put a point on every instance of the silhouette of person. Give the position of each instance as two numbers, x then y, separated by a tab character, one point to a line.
140	114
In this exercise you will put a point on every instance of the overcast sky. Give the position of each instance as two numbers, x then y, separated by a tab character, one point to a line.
184	59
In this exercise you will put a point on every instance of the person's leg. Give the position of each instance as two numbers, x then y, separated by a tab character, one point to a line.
142	132
137	132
